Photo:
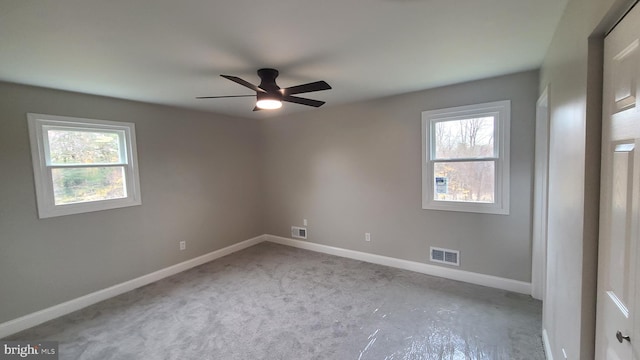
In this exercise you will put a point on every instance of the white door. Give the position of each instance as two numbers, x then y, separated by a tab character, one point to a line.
618	328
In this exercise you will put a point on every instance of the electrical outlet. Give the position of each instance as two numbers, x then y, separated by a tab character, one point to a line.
305	222
183	245
367	236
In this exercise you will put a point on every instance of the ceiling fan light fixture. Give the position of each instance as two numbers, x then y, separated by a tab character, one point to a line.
270	96
269	104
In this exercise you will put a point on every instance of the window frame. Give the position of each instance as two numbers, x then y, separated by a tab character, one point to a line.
42	169
501	112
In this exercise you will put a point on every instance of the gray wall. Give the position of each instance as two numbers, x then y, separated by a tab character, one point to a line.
200	180
357	168
214	180
572	70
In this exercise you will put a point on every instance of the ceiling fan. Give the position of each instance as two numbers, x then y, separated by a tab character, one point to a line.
270	96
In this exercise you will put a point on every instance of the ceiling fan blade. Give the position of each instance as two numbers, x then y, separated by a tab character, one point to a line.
224	96
303	101
304	88
243	83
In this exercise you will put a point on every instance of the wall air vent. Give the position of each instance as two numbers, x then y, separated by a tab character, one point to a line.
298	232
445	256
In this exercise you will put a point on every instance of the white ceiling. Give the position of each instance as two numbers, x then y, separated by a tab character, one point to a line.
169	51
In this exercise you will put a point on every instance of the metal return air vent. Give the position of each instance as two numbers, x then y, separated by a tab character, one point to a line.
445	256
298	232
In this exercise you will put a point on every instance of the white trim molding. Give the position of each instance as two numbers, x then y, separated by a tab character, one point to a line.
447	273
39	317
540	198
547	347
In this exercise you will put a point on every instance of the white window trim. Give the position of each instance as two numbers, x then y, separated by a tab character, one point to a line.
42	172
502	112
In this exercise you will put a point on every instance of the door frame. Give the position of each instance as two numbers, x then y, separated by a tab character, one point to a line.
540	198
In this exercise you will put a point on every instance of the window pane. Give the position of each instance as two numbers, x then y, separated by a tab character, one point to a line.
68	147
472	181
468	138
75	185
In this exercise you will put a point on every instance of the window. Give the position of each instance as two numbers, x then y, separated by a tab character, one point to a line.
83	165
465	163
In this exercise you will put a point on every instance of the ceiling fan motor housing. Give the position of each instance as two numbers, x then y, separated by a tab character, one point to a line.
268	81
271	96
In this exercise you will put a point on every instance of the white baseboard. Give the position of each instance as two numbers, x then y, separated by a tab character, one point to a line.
39	317
547	346
453	274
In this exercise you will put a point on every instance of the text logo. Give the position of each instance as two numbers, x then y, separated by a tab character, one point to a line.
32	350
